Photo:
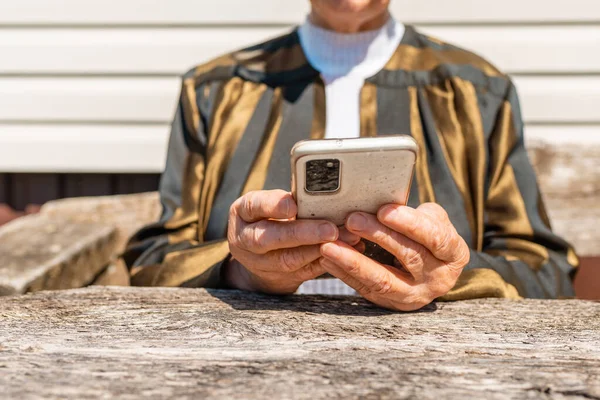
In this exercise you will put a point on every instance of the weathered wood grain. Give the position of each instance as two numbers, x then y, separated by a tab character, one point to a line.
127	213
43	252
568	170
187	343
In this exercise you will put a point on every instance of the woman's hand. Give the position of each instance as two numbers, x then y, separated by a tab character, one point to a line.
272	252
429	251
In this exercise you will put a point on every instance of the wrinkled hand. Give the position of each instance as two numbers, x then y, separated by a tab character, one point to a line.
272	252
429	251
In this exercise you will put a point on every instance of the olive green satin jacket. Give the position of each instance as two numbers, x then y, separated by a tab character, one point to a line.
239	115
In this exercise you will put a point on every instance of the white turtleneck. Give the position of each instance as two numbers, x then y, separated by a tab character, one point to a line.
345	61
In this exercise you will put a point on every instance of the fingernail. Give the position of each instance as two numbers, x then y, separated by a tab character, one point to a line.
357	222
360	247
330	250
327	232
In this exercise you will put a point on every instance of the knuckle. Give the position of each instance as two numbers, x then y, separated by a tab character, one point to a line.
233	210
363	289
244	239
260	236
414	225
383	286
232	237
290	260
309	271
462	256
466	257
439	288
384	234
248	203
353	266
444	242
294	233
413	258
415	300
233	244
413	296
435	209
441	212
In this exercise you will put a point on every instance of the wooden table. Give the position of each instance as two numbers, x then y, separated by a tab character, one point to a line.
155	342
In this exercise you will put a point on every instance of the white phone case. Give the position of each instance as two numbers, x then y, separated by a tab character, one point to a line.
372	172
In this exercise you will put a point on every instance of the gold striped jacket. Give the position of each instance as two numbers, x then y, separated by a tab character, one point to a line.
239	115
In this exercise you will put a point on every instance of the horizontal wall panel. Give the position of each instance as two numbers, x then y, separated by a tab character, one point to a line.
88	99
119	51
529	49
187	12
83	148
515	49
544	99
512	11
559	99
122	149
154	12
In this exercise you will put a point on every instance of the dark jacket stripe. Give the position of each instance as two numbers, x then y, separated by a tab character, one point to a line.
238	169
297	124
445	188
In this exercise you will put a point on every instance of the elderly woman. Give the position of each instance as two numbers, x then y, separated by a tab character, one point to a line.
475	224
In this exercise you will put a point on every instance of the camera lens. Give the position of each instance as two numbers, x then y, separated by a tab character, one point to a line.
322	176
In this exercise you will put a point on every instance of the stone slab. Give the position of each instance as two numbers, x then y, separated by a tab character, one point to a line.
127	213
43	252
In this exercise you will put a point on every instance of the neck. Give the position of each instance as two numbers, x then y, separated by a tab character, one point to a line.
351	25
336	54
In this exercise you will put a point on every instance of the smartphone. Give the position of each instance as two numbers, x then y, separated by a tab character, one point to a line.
332	178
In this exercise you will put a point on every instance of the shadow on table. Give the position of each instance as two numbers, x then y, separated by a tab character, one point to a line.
318	304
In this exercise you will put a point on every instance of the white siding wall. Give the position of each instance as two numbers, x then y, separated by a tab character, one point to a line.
90	86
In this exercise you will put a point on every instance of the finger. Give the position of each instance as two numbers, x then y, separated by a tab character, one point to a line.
410	300
435	233
348	237
412	255
361	247
340	273
462	253
265	236
264	204
367	275
435	211
290	260
310	271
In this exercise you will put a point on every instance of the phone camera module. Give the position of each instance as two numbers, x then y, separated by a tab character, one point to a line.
322	176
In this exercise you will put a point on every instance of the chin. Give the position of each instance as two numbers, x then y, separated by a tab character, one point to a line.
352	6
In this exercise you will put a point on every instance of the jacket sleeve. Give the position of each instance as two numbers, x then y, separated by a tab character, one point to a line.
521	256
172	252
